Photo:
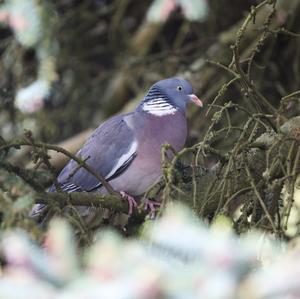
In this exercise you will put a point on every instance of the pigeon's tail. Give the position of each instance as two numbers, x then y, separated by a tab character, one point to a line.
38	209
52	189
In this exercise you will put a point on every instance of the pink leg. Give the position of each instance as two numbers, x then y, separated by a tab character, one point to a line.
131	202
152	205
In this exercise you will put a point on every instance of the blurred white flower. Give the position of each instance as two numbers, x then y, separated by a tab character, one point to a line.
193	10
32	97
24	17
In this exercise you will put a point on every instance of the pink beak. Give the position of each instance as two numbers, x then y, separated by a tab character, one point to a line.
196	100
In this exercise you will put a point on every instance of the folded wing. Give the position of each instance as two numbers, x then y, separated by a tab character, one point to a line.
109	151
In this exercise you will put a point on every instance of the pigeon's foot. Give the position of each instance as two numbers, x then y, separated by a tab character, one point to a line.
151	205
131	202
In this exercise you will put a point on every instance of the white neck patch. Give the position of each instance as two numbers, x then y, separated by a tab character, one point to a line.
158	107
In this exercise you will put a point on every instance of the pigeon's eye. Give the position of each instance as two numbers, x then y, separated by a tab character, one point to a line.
179	88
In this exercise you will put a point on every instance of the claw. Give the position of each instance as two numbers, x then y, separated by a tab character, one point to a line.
151	205
131	202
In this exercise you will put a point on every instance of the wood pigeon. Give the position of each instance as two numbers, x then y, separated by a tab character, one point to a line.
126	149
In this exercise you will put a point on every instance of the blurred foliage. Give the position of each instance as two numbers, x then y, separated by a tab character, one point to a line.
34	25
175	257
95	42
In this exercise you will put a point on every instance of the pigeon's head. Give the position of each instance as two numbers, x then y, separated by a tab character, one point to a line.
169	95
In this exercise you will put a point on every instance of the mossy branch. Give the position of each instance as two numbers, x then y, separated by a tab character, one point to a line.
62	199
24	142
